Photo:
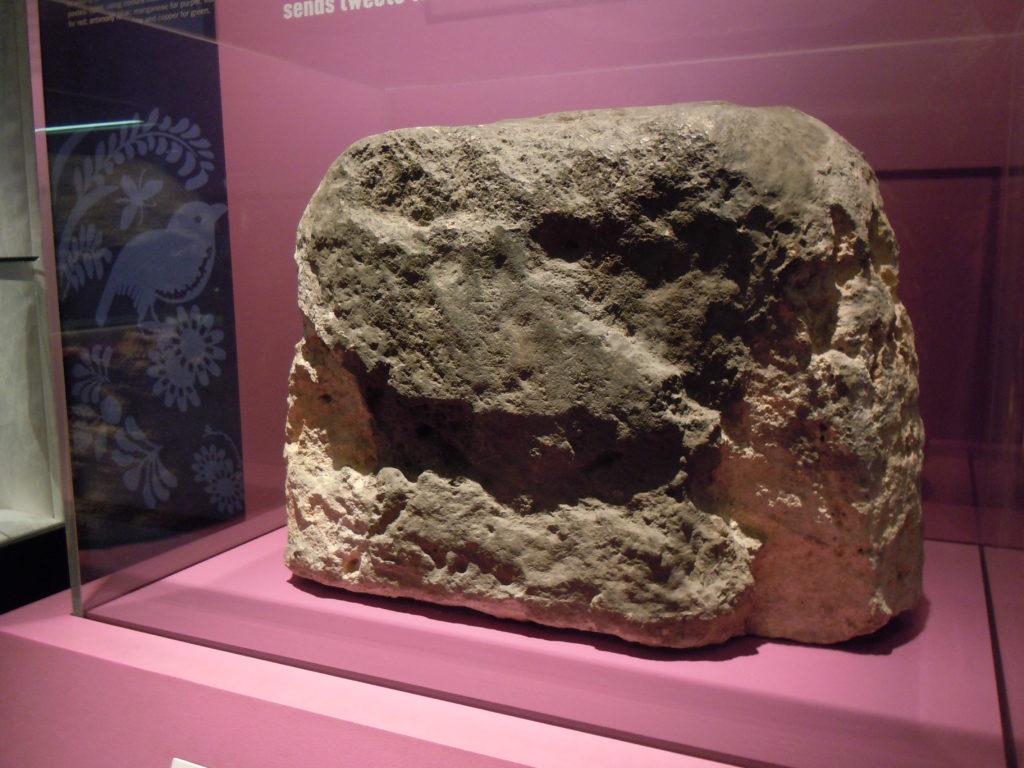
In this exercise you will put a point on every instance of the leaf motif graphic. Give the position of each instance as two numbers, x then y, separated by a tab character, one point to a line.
197	181
125	444
159	490
82	433
120	458
134	430
188	165
127	214
147	496
81	438
175	154
111	410
165	476
131	477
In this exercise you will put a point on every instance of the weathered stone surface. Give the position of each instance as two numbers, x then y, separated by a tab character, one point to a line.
638	371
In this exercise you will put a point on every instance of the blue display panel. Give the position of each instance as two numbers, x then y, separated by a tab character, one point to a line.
139	198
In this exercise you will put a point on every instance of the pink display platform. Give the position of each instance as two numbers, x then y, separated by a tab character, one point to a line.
921	692
84	694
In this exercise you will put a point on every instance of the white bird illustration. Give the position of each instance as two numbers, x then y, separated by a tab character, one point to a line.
171	264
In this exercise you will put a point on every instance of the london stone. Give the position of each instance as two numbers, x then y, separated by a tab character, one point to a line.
639	371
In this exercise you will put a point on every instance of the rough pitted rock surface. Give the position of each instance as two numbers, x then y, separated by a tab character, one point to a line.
638	371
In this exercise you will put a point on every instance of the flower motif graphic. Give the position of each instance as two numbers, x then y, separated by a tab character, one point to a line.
226	492
220	478
136	195
186	355
207	462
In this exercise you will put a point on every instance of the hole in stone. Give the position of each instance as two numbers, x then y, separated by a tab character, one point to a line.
437	555
602	462
410	276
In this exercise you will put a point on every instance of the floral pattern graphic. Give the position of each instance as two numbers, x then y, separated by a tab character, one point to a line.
138	192
140	226
186	355
220	474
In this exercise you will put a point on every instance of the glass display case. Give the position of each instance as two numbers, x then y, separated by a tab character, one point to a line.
200	129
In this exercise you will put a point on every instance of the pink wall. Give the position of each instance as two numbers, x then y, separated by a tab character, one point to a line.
451	41
946	229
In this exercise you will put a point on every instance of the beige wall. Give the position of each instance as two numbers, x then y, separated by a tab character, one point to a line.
29	489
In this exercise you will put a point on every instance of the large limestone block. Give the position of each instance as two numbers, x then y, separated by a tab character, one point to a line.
638	371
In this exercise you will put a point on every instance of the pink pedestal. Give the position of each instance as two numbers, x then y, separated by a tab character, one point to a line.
920	693
83	694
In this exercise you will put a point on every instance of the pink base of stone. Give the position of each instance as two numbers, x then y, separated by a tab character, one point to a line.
920	693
